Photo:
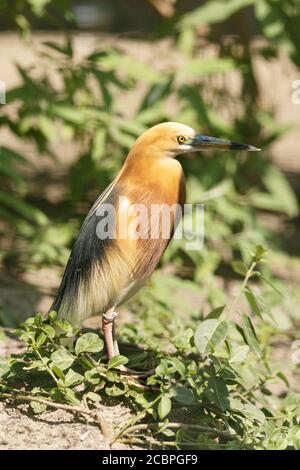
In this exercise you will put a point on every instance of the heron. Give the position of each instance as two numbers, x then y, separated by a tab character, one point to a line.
109	263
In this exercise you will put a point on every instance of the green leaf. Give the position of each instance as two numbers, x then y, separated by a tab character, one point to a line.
260	252
281	190
92	376
283	377
98	146
267	281
240	268
250	335
204	333
253	303
115	390
271	24
49	330
209	334
63	49
89	342
217	392
38	319
57	371
37	364
156	93
71	397
4	368
63	326
116	362
239	354
52	316
27	337
209	66
219	334
213	12
164	406
251	411
23	208
93	397
280	195
133	68
184	395
62	359
70	114
73	378
40	339
248	410
177	365
8	154
47	127
37	407
216	312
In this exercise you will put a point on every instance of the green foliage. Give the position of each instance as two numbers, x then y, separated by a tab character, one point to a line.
219	375
87	109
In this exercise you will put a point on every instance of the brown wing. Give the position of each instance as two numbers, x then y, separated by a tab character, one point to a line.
102	272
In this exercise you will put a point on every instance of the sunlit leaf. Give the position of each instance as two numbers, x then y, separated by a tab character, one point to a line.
116	362
209	334
250	335
89	342
62	359
212	12
164	406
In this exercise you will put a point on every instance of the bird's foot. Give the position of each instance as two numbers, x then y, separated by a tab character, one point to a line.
136	374
112	345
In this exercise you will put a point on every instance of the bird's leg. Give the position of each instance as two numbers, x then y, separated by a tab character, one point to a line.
109	332
111	343
116	346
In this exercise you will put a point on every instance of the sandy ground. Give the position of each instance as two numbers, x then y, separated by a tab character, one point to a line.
56	430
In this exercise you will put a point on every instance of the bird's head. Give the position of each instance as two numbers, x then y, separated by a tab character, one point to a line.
170	139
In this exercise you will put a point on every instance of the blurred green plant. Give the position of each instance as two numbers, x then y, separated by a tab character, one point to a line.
86	108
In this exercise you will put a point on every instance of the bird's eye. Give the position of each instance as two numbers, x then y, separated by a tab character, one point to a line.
181	139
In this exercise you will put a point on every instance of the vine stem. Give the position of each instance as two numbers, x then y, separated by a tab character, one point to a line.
235	302
135	441
50	372
134	420
105	428
191	427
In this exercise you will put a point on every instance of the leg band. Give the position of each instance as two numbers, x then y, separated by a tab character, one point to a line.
109	316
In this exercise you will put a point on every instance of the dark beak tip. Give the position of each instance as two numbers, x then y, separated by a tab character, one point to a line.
239	146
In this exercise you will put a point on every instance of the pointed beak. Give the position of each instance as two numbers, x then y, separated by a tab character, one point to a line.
202	142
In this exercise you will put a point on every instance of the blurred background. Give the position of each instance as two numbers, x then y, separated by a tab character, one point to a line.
84	78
